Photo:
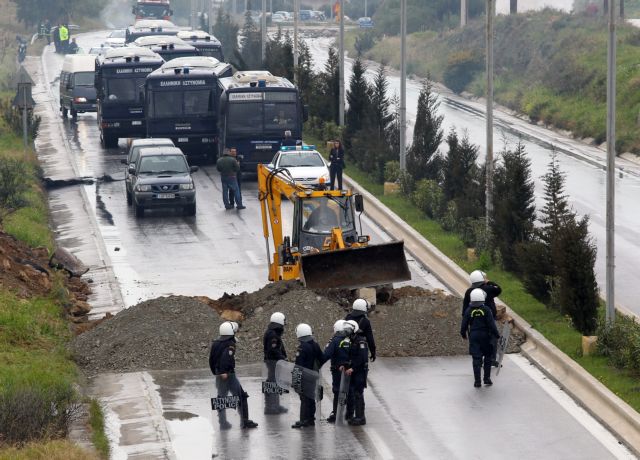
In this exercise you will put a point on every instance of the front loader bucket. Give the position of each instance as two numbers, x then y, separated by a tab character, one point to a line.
352	268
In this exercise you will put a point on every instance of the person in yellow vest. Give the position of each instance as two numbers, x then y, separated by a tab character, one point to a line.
63	32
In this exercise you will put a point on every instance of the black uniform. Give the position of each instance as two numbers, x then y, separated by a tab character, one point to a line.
364	325
273	351
492	290
337	350
336	159
308	356
480	327
222	361
289	142
359	357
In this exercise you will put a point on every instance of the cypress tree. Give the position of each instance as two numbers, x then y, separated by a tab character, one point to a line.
461	175
250	45
427	136
227	32
358	100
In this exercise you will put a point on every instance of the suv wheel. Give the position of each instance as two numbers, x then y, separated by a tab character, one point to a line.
138	210
190	210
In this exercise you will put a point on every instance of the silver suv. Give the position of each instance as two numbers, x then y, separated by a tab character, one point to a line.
132	158
162	178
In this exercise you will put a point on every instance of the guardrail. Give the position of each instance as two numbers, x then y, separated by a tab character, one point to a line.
620	418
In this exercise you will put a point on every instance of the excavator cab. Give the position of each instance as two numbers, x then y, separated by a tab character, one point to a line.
315	219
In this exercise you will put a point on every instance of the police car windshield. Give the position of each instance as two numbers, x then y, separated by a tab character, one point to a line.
163	164
299	159
84	78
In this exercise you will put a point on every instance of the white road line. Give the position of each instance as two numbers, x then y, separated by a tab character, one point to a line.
594	427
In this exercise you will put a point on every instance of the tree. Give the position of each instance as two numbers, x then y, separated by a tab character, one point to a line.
250	45
323	98
461	175
427	136
514	210
227	32
358	99
279	55
380	116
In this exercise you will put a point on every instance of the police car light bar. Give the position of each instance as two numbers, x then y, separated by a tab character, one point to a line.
292	148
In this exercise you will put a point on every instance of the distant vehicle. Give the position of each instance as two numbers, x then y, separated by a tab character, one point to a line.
116	38
277	18
256	108
167	46
305	165
132	158
365	22
162	178
77	90
99	51
207	44
288	16
146	27
318	16
152	9
306	15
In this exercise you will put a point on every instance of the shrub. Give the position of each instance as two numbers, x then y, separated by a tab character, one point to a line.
620	343
428	197
407	183
449	219
13	185
12	116
460	70
392	171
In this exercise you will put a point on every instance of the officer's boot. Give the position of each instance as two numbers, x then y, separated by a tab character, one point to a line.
477	369
302	422
332	416
244	412
359	419
487	371
222	419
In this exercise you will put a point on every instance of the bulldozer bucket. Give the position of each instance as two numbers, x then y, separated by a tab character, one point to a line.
353	268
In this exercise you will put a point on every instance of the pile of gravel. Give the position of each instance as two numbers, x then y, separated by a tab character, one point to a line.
176	332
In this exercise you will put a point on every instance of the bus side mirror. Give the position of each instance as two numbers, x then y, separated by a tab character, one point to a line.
358	202
305	112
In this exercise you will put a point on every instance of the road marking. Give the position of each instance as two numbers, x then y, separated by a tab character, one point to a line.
597	430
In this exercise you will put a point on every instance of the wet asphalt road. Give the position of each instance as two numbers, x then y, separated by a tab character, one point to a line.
417	408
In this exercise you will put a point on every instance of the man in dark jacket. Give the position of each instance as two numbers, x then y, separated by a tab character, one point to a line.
336	165
337	351
480	327
308	356
222	363
273	352
232	196
359	315
358	370
228	167
288	141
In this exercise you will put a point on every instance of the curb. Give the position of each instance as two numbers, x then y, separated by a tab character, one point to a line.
615	414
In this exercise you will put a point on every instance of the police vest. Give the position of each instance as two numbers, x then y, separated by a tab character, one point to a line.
359	351
64	33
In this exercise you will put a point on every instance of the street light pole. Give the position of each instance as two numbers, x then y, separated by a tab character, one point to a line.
341	102
403	85
611	163
263	30
489	70
210	17
365	9
464	13
296	51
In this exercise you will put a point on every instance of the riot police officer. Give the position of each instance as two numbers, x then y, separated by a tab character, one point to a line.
222	363
480	327
337	351
273	351
358	370
359	315
308	356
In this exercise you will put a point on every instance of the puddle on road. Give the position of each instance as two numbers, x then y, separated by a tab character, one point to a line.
178	415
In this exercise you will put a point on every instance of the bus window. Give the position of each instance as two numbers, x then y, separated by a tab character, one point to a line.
245	117
279	116
122	90
167	104
197	102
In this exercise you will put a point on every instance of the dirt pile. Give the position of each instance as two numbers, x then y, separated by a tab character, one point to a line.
176	332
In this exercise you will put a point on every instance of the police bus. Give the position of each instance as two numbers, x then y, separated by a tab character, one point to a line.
152	9
182	104
146	27
167	46
207	44
256	108
119	82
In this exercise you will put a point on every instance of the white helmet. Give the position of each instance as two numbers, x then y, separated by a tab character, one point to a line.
478	295
303	330
351	326
338	326
278	318
235	326
226	328
476	276
360	305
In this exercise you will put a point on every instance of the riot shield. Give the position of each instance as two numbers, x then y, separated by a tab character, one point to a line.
342	398
503	343
303	381
228	396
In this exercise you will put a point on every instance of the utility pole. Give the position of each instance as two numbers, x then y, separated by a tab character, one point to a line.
403	85
263	31
513	6
491	5
365	9
210	17
621	9
464	13
341	102
611	164
296	51
192	17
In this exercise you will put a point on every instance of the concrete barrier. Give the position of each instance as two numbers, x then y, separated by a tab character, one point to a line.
620	418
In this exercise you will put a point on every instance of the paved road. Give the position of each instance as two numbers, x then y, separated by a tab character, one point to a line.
417	408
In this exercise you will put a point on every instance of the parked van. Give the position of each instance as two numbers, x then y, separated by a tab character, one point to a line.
77	90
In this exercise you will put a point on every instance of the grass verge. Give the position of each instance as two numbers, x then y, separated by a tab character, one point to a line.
96	421
550	323
51	450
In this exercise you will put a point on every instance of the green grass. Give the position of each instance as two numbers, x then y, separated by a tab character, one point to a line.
550	323
98	436
48	450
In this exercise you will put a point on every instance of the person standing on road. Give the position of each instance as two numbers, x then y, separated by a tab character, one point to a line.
273	351
222	363
337	351
47	30
63	33
479	280
359	315
308	356
336	164
228	167
358	369
55	33
480	327
288	141
234	153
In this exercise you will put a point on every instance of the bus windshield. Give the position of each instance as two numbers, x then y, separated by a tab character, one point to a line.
124	89
212	52
152	11
274	115
198	103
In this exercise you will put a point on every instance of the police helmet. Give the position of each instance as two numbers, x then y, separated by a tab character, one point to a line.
235	326
338	326
278	318
226	328
476	276
478	295
351	326
360	305
303	330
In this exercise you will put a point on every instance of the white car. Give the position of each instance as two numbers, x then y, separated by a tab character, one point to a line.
277	18
306	166
116	38
285	14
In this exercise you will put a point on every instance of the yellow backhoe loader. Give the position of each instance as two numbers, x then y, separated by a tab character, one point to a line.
324	249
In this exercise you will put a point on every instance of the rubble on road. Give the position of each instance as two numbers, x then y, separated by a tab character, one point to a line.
176	332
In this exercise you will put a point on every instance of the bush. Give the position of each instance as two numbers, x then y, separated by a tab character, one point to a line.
12	116
449	219
620	343
428	197
392	171
407	183
460	70
13	185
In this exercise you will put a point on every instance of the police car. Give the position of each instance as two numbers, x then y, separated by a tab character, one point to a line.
304	163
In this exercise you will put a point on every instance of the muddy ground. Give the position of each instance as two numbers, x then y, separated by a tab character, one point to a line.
176	332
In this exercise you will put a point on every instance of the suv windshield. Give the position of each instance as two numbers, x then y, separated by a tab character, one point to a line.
321	215
163	164
300	159
84	78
